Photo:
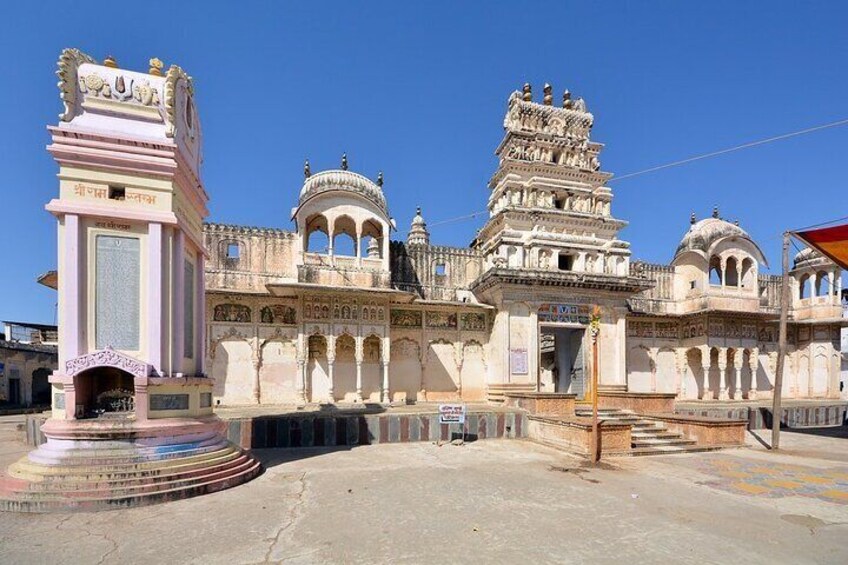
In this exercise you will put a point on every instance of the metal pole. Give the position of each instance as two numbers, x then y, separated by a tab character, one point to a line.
781	347
596	443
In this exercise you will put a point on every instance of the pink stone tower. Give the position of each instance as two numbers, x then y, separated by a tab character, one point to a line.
131	419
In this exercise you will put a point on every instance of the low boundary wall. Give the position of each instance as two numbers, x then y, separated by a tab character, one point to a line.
314	429
760	417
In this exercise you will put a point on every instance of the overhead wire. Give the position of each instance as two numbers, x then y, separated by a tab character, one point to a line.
677	163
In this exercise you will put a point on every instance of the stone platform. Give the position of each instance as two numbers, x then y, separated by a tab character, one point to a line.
101	465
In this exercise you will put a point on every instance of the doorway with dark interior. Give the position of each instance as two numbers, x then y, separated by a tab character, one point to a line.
567	359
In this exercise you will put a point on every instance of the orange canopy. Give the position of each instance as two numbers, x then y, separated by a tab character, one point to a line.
830	242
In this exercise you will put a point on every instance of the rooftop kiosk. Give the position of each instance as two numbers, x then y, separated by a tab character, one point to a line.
131	419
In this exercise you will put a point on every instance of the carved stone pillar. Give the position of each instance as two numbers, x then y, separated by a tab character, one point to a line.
722	377
256	361
360	357
387	397
358	245
300	382
723	273
737	389
331	361
654	352
753	362
680	385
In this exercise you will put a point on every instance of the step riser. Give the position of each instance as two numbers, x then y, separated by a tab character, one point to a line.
132	491
129	502
110	483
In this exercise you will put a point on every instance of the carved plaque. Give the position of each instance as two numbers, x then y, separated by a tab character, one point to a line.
406	318
168	402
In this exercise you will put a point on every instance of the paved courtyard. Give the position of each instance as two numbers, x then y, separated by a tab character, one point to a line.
495	501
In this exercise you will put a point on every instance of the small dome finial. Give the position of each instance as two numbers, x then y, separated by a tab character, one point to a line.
306	171
344	161
156	66
110	61
736	223
527	92
380	179
715	211
549	95
418	210
692	219
566	99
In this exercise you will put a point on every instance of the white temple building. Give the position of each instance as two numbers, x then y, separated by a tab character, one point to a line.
336	311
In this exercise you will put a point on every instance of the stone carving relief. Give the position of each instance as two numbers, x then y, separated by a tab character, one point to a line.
278	314
405	349
473	321
106	358
69	62
231	313
436	319
406	318
119	87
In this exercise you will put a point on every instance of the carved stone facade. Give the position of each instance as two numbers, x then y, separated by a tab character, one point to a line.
335	312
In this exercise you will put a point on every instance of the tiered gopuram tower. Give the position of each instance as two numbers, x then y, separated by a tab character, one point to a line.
551	246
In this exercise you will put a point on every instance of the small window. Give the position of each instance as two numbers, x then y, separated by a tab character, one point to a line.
565	262
117	193
692	285
232	251
440	270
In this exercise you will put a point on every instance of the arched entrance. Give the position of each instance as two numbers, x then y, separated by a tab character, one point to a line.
104	392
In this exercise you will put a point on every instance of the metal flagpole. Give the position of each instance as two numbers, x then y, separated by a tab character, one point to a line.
781	347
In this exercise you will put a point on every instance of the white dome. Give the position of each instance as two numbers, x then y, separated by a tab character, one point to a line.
342	181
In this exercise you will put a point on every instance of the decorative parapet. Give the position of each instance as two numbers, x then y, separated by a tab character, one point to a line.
526	116
69	62
174	75
232	229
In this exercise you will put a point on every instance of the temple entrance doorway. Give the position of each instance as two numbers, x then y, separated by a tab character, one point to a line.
563	355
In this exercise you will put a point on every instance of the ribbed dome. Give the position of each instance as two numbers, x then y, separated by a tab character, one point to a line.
704	233
343	181
809	257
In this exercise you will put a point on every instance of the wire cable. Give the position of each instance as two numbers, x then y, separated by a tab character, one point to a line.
748	145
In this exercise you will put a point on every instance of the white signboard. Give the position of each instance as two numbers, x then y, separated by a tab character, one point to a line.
452	413
518	361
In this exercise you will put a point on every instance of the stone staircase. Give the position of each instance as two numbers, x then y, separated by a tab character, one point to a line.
122	476
647	437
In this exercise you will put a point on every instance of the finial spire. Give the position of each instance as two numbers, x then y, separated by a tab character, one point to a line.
380	179
156	66
692	218
527	92
110	61
344	161
715	211
548	99
306	171
418	234
566	99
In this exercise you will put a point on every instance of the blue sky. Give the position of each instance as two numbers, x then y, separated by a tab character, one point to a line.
418	90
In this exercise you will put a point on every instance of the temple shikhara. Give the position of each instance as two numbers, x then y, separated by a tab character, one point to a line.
164	317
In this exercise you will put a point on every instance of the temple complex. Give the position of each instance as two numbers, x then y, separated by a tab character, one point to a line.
163	317
334	312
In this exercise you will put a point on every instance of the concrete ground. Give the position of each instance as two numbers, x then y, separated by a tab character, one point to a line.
494	501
